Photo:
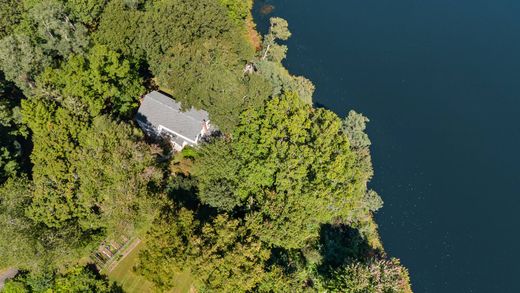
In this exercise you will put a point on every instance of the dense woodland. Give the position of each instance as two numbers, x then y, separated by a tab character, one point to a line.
278	202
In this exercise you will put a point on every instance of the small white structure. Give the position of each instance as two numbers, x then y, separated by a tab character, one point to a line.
161	116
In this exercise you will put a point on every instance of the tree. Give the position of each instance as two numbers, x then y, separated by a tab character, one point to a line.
283	82
55	137
114	169
221	254
44	36
239	10
21	61
28	245
290	166
278	30
60	37
12	131
103	81
10	15
201	76
194	50
86	175
86	12
269	66
217	171
354	126
119	28
375	276
168	23
77	279
17	247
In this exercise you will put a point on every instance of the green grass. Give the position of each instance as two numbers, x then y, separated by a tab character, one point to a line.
131	282
124	275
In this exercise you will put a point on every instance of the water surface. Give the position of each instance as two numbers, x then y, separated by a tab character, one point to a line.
439	80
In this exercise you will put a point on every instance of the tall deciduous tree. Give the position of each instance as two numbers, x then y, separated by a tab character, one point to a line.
21	60
77	279
10	16
44	36
290	167
87	174
86	11
102	81
56	31
12	131
269	66
221	254
375	276
239	10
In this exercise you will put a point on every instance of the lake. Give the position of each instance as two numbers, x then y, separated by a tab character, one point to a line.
440	81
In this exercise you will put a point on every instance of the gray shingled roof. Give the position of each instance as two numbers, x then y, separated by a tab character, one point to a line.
158	109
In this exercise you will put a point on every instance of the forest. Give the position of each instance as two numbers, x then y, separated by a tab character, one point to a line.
278	201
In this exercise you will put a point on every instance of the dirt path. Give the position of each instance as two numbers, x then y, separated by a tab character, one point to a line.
7	274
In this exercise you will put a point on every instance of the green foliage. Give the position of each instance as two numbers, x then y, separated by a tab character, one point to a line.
59	35
283	82
289	165
44	36
221	254
86	175
194	49
239	10
218	177
376	276
200	75
168	23
270	67
21	61
90	181
278	30
10	15
28	245
86	11
16	244
12	131
354	126
272	193
113	172
103	82
78	279
55	135
119	29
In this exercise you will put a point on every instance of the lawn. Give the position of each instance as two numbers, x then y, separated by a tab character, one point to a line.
131	282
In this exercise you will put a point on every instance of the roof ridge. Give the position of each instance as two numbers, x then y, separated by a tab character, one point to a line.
179	110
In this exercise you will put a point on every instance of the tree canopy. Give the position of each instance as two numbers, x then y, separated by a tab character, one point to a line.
78	279
275	200
290	166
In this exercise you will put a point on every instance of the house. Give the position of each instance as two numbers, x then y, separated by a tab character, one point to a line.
161	116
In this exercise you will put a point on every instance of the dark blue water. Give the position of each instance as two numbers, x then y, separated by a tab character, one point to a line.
440	81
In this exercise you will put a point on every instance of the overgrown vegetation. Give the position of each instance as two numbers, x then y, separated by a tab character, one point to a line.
277	203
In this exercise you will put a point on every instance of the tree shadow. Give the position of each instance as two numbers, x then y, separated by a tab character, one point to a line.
182	190
320	105
340	244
